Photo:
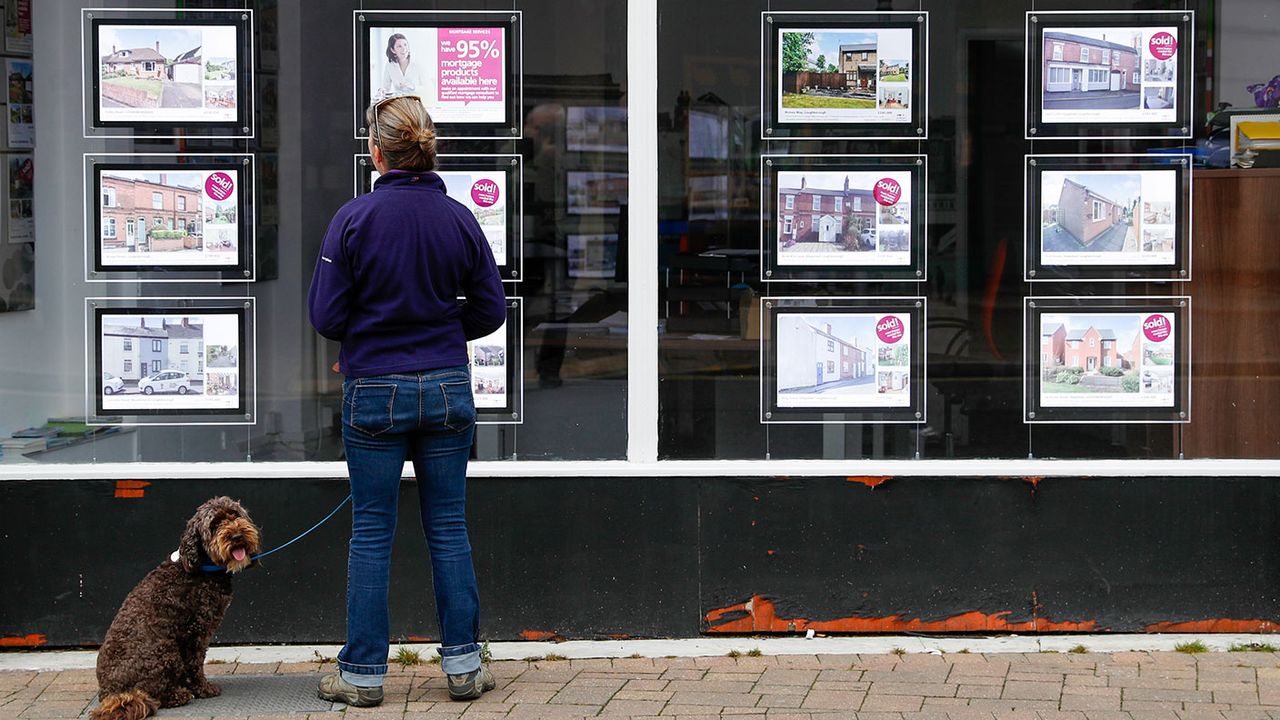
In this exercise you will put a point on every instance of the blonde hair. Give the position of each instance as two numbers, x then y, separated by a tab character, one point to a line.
403	130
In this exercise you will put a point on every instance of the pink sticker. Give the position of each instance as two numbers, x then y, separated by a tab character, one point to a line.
1163	45
484	193
1157	328
887	191
470	64
890	329
219	186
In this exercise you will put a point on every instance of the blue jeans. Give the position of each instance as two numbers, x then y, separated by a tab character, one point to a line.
428	417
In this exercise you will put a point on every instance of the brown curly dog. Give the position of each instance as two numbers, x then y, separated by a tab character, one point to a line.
153	655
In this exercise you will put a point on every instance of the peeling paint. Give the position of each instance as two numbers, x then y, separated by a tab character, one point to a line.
1217	625
130	488
24	641
539	635
871	481
419	638
759	615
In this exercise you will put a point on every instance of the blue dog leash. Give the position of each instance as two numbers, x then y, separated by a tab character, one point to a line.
219	568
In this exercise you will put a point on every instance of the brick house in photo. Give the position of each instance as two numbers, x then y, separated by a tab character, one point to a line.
859	65
135	62
811	356
1092	349
1075	63
1086	214
131	206
807	214
1053	343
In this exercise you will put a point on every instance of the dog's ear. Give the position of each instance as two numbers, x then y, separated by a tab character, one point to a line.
189	546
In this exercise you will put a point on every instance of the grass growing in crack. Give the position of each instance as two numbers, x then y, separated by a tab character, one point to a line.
1052	652
1079	650
552	657
323	658
1191	648
635	656
486	655
898	651
215	662
754	652
962	651
1252	647
405	657
733	654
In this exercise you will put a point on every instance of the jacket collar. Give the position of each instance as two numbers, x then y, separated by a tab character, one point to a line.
428	180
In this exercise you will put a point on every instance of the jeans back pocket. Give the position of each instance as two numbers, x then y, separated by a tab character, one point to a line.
373	407
459	406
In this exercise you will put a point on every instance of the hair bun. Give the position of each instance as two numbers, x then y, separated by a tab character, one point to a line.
426	135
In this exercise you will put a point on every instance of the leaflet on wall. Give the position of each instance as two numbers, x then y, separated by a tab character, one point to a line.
1107	360
593	256
1108	217
20	123
830	217
596	129
851	75
167	73
489	369
595	193
17	26
168	218
844	360
19	198
173	363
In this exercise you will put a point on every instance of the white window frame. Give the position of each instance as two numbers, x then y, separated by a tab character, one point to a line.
1099	210
817	203
788	224
1057	50
157	200
109	227
839	204
1084	53
789	202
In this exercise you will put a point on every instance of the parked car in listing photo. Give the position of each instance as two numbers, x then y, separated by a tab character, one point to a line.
111	384
167	381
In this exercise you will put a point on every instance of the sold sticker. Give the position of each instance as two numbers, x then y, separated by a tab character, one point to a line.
484	193
890	329
219	186
1157	328
1163	45
887	191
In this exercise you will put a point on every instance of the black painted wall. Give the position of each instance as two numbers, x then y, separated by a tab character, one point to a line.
583	558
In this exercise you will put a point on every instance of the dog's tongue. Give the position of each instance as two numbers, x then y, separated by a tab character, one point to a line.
238	554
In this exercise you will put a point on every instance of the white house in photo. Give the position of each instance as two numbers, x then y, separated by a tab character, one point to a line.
131	352
186	348
810	356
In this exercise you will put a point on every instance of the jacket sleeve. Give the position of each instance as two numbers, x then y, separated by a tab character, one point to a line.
331	284
486	307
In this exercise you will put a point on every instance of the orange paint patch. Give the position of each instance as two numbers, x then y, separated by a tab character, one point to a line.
26	641
871	481
130	488
770	552
538	635
1034	480
759	615
418	638
1220	625
618	636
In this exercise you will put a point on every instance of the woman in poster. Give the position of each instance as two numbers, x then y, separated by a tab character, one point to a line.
386	286
400	76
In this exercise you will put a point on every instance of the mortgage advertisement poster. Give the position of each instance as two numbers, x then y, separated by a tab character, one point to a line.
168	218
167	72
1111	217
843	360
1119	75
1110	360
844	76
459	73
828	218
169	362
489	370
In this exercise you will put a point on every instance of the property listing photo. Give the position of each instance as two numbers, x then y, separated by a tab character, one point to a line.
1092	68
844	76
167	73
842	360
489	369
1106	359
1104	217
163	362
834	217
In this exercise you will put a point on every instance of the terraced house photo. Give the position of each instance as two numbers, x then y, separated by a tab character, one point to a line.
1091	68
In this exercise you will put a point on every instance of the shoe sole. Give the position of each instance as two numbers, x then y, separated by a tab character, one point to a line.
474	693
349	699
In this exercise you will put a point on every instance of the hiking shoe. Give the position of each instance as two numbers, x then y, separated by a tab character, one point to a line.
335	689
471	685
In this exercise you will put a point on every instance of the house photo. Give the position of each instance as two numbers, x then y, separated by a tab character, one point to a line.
825	354
1158	98
150	67
1154	70
1091	68
1092	211
1089	353
826	211
895	70
899	214
829	69
142	213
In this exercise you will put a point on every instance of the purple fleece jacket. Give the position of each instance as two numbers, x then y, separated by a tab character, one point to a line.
391	269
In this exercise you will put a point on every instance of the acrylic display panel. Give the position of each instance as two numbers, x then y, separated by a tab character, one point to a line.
168	73
497	370
464	65
170	361
169	218
18	172
490	186
844	75
842	217
1108	217
1101	74
842	360
1107	359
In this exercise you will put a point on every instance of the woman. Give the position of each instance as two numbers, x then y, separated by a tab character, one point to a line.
391	269
400	75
